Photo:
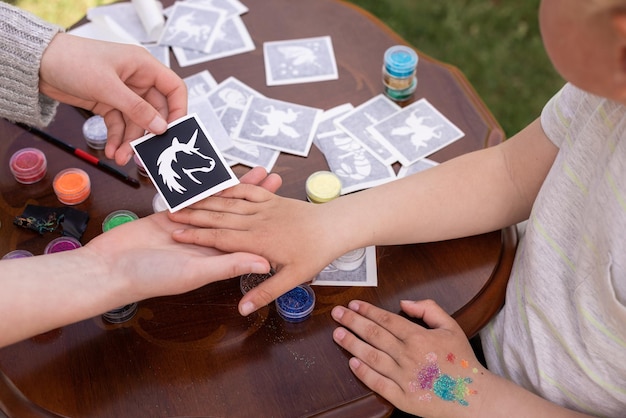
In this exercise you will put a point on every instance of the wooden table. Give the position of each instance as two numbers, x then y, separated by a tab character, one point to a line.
193	355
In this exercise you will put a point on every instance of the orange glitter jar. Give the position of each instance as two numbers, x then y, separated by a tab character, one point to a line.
72	186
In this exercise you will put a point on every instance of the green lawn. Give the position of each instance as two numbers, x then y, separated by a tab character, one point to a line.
496	43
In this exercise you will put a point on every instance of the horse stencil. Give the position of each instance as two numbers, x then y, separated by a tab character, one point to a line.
419	131
167	158
186	27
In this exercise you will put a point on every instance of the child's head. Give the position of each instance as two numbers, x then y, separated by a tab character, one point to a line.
586	41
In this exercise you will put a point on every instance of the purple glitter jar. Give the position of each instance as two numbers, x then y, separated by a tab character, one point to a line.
60	244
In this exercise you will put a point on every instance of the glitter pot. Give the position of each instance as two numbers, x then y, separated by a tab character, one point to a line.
249	281
322	187
118	218
121	314
351	260
140	167
60	244
95	132
17	254
115	219
28	165
72	186
297	304
158	203
399	64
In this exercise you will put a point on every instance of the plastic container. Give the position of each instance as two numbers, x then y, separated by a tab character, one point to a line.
121	314
297	304
17	254
140	167
28	165
115	219
118	218
322	187
351	260
95	132
249	281
158	203
399	65
72	186
60	244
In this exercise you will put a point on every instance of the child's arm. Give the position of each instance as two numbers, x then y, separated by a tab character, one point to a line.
429	372
474	193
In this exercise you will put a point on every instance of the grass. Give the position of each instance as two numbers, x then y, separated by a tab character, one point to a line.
496	44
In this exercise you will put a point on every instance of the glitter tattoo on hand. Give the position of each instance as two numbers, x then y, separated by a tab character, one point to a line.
444	386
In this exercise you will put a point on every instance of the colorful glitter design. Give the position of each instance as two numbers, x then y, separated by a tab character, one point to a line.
450	389
444	386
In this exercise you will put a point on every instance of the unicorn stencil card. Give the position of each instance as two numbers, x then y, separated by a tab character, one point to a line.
184	163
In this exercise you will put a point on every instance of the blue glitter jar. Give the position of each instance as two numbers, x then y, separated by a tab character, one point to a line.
297	304
399	67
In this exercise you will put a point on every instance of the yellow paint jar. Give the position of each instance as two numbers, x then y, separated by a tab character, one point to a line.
322	187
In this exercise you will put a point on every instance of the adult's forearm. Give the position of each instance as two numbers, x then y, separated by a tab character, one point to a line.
44	292
23	40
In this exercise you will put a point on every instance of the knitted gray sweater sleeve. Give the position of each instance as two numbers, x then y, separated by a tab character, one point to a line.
23	39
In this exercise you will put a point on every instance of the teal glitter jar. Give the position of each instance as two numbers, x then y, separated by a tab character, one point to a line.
399	80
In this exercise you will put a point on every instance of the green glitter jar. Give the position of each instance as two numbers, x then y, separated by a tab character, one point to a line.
118	218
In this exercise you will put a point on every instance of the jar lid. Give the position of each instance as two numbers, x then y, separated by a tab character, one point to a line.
297	304
17	254
72	186
60	244
249	281
121	314
140	167
158	203
95	132
28	165
323	186
400	61
118	218
351	260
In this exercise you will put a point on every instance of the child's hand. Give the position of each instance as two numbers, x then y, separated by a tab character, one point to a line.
427	372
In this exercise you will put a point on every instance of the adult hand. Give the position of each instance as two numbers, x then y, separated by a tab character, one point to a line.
125	84
158	265
293	235
427	372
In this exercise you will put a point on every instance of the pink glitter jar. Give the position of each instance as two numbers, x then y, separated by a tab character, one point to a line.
60	244
28	165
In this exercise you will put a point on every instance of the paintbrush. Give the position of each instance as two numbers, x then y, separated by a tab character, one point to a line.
83	155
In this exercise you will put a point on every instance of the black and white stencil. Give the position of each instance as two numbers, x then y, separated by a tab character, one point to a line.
192	26
231	93
279	125
356	167
200	84
183	163
365	275
416	131
299	61
421	165
232	38
356	122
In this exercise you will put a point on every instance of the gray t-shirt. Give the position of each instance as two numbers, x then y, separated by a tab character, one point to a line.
562	331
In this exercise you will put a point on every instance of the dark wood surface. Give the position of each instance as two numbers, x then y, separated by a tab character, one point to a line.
193	355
